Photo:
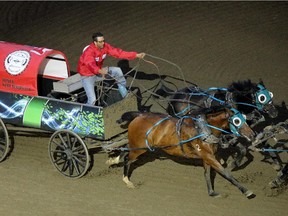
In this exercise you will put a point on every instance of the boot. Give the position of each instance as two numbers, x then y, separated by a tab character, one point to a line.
204	129
122	90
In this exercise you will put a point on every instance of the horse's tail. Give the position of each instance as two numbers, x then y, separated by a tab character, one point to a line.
128	117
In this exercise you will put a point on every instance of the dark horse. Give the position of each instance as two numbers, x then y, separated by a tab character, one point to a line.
251	99
179	137
245	96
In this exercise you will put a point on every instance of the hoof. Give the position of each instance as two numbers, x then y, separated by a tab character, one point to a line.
249	194
276	183
222	162
277	167
128	183
109	162
214	195
112	161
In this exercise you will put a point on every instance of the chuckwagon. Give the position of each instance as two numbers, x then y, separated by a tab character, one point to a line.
39	93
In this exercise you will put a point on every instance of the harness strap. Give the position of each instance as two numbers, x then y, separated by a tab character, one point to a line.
149	131
161	147
272	150
178	131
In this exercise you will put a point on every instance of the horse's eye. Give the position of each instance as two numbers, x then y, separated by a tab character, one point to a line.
271	94
237	121
262	98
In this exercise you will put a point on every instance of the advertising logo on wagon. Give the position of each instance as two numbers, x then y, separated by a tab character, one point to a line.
16	62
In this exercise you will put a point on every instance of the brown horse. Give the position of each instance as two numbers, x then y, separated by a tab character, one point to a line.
179	137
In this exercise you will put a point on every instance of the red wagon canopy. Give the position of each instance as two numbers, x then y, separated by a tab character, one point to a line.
21	65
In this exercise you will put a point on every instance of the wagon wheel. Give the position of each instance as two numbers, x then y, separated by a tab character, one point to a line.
4	141
69	153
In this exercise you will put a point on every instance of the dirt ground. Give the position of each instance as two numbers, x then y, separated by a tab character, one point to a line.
214	43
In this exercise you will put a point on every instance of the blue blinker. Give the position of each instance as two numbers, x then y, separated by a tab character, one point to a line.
263	96
236	121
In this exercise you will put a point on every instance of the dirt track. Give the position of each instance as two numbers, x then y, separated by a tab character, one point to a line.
214	43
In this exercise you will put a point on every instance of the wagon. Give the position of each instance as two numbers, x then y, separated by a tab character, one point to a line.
38	93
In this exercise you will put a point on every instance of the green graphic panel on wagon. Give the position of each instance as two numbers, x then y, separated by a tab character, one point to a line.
84	120
33	112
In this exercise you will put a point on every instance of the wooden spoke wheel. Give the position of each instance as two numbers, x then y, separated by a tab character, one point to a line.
69	154
4	141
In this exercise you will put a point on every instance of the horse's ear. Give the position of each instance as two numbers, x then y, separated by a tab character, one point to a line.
227	113
261	82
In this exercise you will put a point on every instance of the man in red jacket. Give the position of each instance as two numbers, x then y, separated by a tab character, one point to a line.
91	62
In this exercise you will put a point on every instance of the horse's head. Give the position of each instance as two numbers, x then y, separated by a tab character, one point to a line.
231	119
238	125
263	100
249	96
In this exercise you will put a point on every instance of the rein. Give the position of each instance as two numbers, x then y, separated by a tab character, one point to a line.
272	150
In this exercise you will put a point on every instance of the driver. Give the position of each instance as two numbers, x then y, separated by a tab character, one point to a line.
91	62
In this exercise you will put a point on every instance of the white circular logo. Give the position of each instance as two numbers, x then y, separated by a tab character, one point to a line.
16	62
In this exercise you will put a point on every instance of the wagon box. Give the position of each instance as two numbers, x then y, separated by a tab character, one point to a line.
25	72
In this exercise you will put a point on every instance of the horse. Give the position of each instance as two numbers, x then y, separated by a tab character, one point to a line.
245	96
179	137
251	99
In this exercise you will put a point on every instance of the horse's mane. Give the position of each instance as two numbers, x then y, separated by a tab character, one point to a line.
244	86
214	110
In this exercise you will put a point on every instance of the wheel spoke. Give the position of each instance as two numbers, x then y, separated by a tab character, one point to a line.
65	166
62	140
70	167
57	151
68	140
80	162
58	145
78	149
74	143
57	161
75	165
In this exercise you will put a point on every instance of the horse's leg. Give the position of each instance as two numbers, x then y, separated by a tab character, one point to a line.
227	175
128	160
126	169
207	175
275	157
241	152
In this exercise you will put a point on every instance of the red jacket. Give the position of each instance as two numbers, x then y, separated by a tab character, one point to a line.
91	60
